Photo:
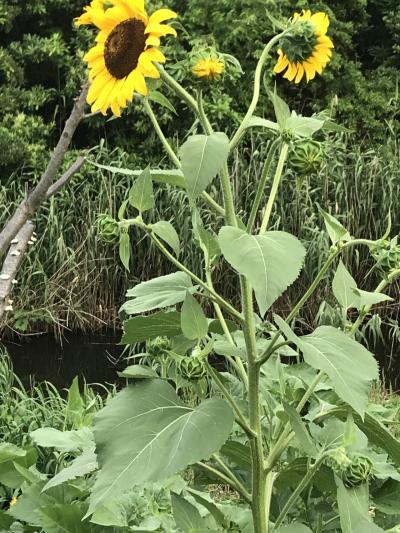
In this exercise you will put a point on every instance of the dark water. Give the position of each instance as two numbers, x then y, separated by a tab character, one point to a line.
94	357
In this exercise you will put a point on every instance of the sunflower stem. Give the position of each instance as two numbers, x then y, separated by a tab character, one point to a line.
256	91
275	187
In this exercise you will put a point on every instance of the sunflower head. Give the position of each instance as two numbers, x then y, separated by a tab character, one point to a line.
304	49
208	68
125	53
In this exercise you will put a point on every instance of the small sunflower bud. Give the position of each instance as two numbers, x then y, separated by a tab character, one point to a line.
307	157
208	65
108	229
192	368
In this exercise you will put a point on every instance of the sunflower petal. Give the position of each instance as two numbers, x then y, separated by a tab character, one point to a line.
321	20
300	73
160	29
153	41
155	55
291	72
161	15
282	63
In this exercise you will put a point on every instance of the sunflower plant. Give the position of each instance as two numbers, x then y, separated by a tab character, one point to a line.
236	395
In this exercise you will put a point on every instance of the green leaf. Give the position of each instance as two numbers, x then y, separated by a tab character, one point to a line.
138	372
271	261
205	500
294	528
194	323
146	434
202	158
161	99
141	195
142	328
258	122
376	432
84	464
172	177
158	293
166	231
353	505
349	365
343	286
237	453
11	459
282	111
387	498
300	430
370	298
60	518
187	517
336	231
124	249
63	441
75	407
303	126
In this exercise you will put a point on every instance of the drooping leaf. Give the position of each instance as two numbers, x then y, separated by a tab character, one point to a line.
194	323
63	441
336	231
186	515
259	122
141	195
146	434
343	286
202	158
125	249
138	372
166	231
59	518
349	365
142	328
164	291
271	261
206	501
161	99
304	126
237	453
353	505
84	464
302	434
172	177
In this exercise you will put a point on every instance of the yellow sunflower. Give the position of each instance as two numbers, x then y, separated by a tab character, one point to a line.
209	68
306	49
127	46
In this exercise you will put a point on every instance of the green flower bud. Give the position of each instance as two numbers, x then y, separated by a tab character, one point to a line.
358	472
108	229
191	368
387	254
306	157
159	347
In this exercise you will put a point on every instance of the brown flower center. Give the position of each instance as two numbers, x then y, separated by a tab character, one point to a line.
123	47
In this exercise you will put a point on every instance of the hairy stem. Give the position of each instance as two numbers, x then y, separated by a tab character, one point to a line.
261	185
275	187
256	90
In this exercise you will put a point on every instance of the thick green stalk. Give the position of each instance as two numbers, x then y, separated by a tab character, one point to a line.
256	90
256	444
275	187
261	185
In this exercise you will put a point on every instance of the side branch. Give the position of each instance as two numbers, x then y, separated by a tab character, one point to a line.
40	193
11	265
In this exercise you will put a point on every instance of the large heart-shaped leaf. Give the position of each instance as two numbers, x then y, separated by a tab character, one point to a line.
194	323
158	293
271	261
202	158
350	366
147	434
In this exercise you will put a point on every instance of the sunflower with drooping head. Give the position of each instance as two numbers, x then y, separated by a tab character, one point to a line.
305	49
126	50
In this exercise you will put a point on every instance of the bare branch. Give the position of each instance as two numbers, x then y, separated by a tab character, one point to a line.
59	184
11	265
40	193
